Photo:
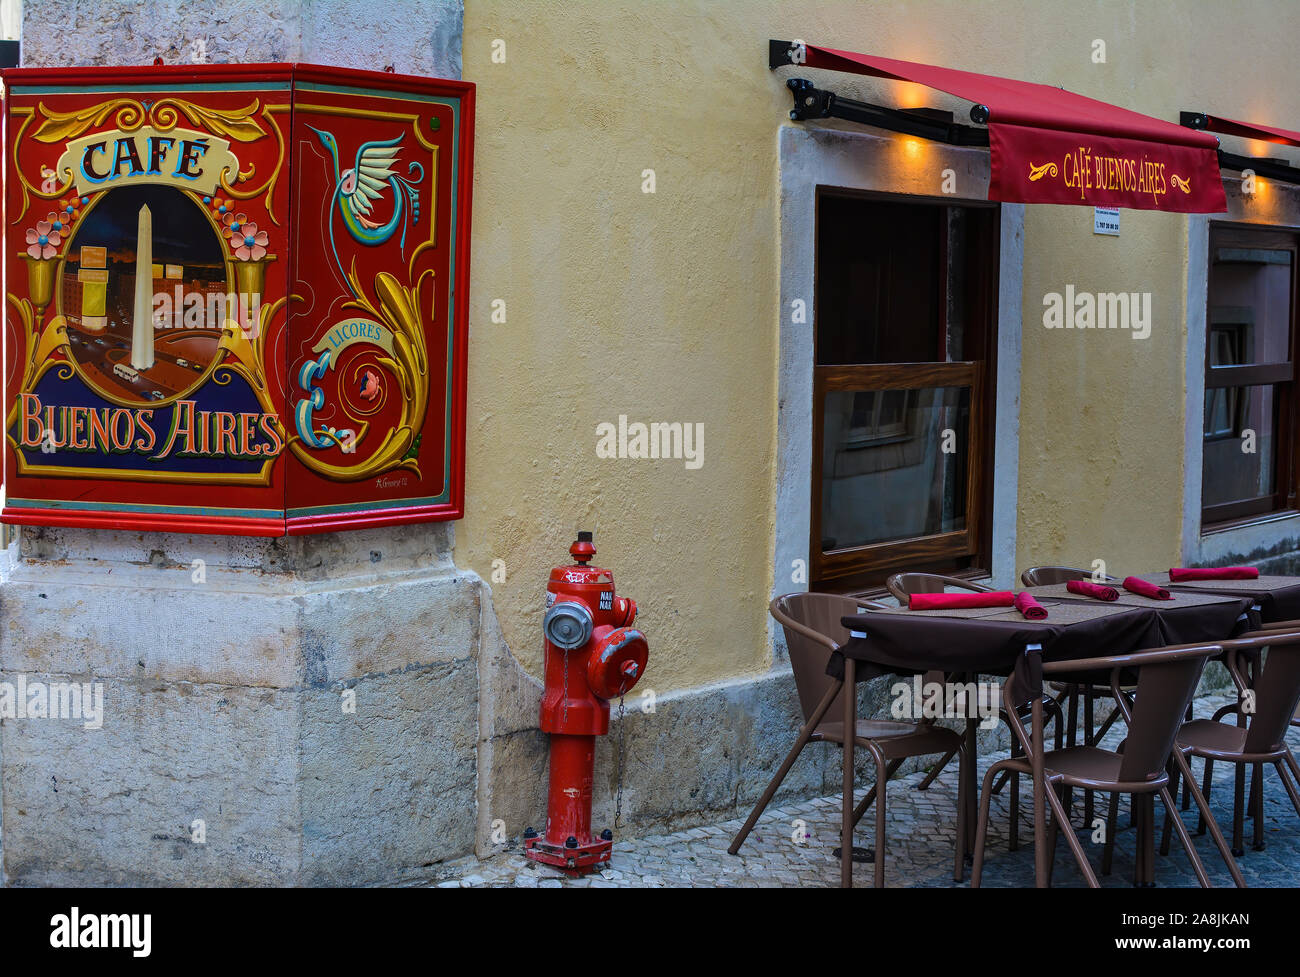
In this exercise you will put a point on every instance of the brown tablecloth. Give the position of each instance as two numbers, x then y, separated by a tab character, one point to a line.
993	640
973	641
1188	618
1278	597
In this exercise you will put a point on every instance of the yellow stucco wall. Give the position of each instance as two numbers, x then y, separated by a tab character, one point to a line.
663	307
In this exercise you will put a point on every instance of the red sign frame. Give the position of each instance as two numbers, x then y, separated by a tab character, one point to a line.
236	297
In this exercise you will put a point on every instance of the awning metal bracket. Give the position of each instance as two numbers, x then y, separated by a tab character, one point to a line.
1269	169
811	102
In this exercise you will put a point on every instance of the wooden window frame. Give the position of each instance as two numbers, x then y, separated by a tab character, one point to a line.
1280	376
966	552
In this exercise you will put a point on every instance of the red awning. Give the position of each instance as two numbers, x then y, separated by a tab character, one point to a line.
1048	145
1252	130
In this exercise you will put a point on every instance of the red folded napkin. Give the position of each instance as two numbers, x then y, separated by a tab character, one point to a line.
1177	574
934	602
1136	585
1089	589
1030	608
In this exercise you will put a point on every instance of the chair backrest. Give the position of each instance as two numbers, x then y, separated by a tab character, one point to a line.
820	614
1164	689
1277	690
1045	576
904	585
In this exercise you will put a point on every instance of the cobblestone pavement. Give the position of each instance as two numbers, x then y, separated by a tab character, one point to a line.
920	829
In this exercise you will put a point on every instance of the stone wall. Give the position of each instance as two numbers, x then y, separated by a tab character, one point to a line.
420	37
311	700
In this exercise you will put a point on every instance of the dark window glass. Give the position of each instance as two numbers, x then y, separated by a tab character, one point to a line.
905	306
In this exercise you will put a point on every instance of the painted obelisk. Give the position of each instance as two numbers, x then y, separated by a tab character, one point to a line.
142	311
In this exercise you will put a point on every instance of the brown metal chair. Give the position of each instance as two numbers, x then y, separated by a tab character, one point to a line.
1257	738
1167	679
813	631
1046	576
1070	692
903	586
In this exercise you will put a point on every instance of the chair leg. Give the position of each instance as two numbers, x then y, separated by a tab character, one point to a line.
936	770
1206	784
1013	827
1295	769
1112	821
1203	805
775	783
1072	727
846	797
1089	739
1257	806
882	778
1238	816
982	824
1286	782
959	863
1169	814
1253	796
1073	840
1172	815
1051	840
1142	821
865	803
1071	736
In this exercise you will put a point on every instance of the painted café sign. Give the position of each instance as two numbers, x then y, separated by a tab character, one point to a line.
235	298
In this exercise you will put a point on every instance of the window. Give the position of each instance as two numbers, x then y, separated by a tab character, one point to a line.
906	301
1250	402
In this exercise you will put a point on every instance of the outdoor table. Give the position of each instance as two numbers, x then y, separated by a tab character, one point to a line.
1000	641
1278	597
991	641
1186	619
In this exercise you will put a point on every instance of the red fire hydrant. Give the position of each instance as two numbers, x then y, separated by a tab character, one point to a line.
592	655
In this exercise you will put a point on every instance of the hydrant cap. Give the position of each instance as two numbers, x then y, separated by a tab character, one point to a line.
568	625
617	663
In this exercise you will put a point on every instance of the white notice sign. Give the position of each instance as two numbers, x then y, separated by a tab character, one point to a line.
1105	220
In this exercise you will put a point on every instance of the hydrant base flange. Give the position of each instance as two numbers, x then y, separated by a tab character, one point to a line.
583	860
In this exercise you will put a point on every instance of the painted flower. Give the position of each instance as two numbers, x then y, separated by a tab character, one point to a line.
249	243
43	242
221	206
234	224
60	221
70	210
